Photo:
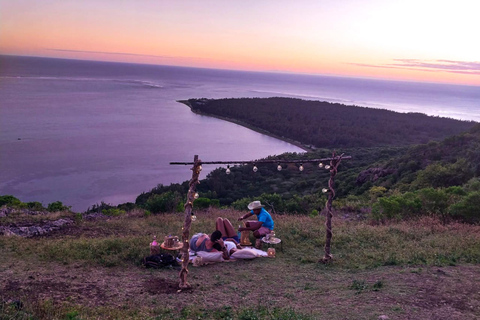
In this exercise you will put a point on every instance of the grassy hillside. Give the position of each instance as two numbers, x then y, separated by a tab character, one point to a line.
420	269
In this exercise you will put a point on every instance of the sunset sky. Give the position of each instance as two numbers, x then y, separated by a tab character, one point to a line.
418	40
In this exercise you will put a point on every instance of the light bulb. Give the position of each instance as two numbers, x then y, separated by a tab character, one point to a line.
301	167
196	195
200	168
324	190
279	168
320	165
255	169
327	167
228	170
194	218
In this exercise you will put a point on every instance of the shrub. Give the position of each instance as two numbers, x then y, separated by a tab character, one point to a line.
9	200
397	207
467	208
434	201
165	202
113	212
437	175
57	206
35	206
203	203
99	207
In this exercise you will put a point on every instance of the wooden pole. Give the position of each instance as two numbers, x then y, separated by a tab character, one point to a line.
188	222
331	194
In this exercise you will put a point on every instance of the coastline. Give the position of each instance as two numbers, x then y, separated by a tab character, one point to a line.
243	124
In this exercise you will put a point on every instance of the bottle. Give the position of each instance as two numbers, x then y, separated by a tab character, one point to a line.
154	247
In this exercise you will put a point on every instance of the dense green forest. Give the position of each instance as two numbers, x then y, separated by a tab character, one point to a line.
330	125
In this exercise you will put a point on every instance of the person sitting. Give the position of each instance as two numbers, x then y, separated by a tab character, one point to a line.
213	243
260	228
226	228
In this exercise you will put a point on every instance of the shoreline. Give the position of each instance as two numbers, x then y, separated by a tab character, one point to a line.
245	125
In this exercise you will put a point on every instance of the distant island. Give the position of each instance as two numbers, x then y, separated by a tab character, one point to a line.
319	124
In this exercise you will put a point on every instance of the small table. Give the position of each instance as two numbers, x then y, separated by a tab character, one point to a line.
176	247
272	242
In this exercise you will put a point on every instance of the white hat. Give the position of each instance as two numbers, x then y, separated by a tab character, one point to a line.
255	205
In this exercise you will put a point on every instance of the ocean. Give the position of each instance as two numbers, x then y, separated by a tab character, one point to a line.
83	132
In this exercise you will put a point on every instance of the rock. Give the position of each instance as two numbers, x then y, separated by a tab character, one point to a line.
35	230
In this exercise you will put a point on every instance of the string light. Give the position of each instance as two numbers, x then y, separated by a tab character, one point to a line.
228	170
255	169
279	167
300	168
320	165
196	195
327	167
194	217
200	168
324	190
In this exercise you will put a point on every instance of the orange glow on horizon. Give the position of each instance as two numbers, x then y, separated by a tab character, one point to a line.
364	40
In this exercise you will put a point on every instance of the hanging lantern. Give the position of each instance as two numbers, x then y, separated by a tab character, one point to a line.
255	169
228	170
194	217
324	190
279	167
196	195
320	165
327	167
300	168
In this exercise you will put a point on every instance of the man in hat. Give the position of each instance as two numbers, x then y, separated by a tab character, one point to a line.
260	228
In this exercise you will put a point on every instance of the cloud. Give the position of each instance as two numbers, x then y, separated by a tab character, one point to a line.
463	67
127	54
114	53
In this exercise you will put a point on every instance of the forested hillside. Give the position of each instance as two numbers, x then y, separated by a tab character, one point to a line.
439	178
330	125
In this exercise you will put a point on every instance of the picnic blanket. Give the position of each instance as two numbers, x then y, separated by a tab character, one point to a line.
202	257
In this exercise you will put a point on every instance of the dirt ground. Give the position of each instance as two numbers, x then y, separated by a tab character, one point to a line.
395	292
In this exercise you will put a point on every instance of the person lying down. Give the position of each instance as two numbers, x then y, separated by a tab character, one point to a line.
214	249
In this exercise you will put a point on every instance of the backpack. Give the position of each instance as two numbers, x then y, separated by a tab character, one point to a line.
163	260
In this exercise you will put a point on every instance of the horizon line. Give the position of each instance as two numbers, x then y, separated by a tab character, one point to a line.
372	78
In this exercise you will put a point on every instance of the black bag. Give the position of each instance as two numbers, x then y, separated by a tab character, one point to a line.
163	260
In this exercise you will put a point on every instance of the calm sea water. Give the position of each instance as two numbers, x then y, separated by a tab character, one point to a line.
83	132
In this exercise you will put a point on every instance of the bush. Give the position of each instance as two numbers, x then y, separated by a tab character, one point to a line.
113	212
397	207
437	175
204	203
57	206
467	209
98	207
9	201
35	206
165	202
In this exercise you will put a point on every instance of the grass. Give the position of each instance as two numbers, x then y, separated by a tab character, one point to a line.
417	269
